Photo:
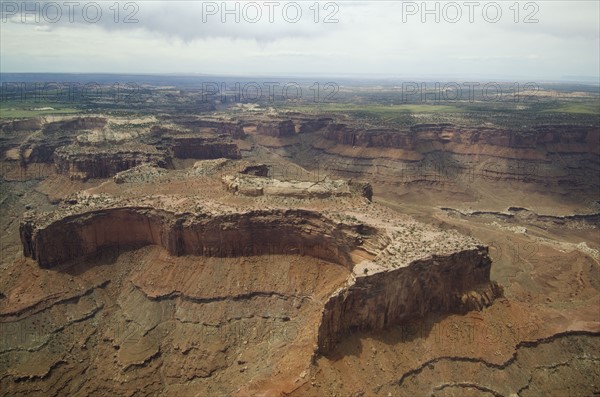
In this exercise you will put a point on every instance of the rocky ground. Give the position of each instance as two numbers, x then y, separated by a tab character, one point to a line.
401	310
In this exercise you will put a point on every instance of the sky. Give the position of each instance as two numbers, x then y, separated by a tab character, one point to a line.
536	40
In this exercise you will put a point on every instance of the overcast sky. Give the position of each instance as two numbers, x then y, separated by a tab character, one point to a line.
379	37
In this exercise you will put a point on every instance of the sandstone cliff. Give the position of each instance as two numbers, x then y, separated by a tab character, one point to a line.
96	147
313	125
246	234
84	162
233	129
419	135
398	272
74	125
453	283
190	147
276	128
557	157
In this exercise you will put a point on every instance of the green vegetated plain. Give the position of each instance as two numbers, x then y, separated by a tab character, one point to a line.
509	113
577	108
373	106
27	109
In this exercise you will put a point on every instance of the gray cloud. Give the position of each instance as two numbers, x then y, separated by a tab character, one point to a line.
263	21
370	37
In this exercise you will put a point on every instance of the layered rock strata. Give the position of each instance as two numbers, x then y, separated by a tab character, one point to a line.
313	125
399	271
454	283
191	147
558	157
276	129
422	134
84	162
233	129
99	147
55	241
250	185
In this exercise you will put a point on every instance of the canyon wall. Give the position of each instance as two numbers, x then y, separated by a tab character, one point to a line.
555	157
55	134
21	125
234	129
84	162
204	148
422	134
453	283
90	147
276	129
244	234
74	125
313	124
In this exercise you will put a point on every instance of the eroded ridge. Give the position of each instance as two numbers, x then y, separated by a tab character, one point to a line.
452	283
52	239
398	270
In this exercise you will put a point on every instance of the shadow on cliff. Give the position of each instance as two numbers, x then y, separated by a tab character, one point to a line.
406	332
106	256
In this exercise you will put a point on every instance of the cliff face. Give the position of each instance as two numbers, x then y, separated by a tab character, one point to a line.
347	135
234	129
204	149
389	292
55	134
313	125
102	162
245	234
21	125
276	128
552	156
76	124
447	133
442	284
90	147
251	185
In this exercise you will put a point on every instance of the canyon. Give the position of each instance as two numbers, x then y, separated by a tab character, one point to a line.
289	254
91	224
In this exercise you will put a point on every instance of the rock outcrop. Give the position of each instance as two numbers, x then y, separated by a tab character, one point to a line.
245	234
96	147
74	125
84	162
276	129
364	189
313	125
256	170
421	134
557	157
453	283
250	185
441	271
21	125
201	148
233	129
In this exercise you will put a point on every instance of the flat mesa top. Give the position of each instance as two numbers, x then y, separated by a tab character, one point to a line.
202	192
